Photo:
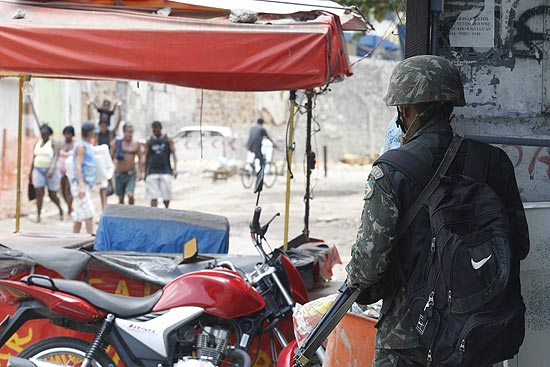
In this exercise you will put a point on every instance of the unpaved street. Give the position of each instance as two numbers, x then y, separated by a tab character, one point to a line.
335	208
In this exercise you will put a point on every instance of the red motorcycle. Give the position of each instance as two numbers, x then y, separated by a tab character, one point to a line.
205	318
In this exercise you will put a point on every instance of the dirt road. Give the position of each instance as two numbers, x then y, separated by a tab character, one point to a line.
335	207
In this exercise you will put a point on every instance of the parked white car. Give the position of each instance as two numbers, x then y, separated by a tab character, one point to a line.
217	142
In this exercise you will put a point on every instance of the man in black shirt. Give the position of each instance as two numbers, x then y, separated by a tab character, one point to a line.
254	144
159	172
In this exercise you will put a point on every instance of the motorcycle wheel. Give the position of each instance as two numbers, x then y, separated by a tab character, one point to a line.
65	352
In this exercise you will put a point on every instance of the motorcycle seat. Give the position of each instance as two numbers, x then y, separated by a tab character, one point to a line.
120	306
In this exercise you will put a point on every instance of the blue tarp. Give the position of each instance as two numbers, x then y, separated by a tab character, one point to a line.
144	229
368	41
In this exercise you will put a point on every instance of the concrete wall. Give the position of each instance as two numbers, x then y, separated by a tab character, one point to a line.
502	50
9	106
506	85
352	116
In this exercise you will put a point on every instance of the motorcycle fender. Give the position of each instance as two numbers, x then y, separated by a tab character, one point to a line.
58	302
286	357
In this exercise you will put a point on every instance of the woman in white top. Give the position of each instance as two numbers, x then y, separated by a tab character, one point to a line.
44	171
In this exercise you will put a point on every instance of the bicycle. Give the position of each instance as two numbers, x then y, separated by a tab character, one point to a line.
250	171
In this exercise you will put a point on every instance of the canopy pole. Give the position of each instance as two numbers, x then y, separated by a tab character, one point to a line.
289	153
310	159
19	143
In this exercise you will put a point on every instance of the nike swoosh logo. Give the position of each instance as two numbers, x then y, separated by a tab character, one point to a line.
478	264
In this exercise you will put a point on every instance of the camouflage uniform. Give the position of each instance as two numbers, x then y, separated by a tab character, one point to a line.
421	79
370	258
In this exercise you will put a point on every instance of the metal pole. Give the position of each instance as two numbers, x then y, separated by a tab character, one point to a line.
289	153
436	7
4	149
19	142
310	159
531	142
325	155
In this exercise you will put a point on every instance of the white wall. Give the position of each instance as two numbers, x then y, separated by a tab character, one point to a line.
9	107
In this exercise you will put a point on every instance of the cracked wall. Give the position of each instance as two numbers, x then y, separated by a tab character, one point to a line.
504	62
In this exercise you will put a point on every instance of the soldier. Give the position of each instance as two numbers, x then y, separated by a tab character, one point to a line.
425	89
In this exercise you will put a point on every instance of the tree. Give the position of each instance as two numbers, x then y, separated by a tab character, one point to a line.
376	8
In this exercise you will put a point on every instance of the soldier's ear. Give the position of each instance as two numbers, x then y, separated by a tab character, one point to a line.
408	113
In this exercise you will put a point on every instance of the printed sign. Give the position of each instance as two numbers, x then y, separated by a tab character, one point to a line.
475	27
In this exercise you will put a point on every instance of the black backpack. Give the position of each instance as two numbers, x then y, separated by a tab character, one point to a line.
464	300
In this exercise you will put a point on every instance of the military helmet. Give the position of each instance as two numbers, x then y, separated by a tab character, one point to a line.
425	78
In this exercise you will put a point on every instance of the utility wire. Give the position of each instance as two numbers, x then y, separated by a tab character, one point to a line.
397	10
384	37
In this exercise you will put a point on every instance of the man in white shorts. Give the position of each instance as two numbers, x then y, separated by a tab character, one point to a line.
159	172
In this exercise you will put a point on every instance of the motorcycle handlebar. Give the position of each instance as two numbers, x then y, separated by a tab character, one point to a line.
255	225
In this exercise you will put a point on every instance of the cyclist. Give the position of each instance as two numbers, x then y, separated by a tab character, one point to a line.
259	145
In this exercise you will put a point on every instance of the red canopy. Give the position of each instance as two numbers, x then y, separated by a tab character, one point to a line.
299	51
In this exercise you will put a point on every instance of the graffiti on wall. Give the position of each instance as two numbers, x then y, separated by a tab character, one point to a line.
532	166
522	36
528	38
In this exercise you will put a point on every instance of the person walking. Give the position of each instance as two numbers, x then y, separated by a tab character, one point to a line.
124	151
158	171
84	174
44	171
65	151
425	89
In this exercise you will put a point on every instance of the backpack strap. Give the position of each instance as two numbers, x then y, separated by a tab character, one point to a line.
477	161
